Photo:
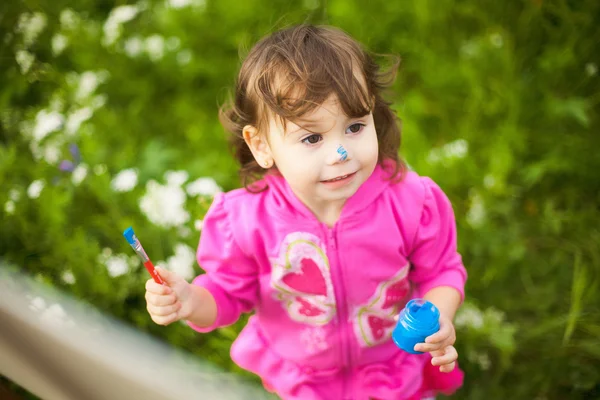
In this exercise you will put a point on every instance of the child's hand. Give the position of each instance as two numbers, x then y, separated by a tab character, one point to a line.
170	302
440	345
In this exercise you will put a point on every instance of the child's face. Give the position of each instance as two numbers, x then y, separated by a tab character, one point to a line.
310	162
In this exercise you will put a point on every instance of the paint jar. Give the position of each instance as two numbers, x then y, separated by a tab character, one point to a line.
419	319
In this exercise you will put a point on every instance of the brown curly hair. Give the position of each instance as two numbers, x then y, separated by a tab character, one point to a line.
293	71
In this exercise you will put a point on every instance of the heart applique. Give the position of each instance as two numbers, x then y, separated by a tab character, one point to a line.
378	326
373	329
396	293
308	309
309	280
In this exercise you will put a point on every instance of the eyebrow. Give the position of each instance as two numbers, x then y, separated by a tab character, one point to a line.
304	127
312	124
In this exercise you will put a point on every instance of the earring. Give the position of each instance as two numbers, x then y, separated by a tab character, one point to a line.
267	163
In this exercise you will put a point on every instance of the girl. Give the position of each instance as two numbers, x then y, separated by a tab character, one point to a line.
332	242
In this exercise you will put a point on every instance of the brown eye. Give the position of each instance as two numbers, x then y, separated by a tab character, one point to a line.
312	139
355	128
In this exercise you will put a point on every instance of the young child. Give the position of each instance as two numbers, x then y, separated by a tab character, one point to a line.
332	242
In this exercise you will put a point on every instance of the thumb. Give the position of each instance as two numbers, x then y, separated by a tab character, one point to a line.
167	276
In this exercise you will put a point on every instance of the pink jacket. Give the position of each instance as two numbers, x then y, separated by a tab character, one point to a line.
325	298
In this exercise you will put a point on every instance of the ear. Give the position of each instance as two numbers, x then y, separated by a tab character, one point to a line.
259	146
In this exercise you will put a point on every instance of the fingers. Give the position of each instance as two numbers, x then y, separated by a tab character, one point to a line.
166	313
445	358
167	275
446	333
430	347
448	367
160	299
161	303
446	336
157	288
164	319
163	311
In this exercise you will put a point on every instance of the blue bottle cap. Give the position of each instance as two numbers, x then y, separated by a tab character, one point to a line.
419	319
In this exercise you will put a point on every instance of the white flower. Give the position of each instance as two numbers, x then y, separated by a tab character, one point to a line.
75	119
35	188
88	83
134	46
117	265
124	13
182	262
176	178
68	277
476	213
203	186
198	224
469	316
46	122
155	47
179	3
69	19
185	3
164	205
456	149
25	60
113	25
51	153
125	180
450	151
98	101
30	26
9	207
59	43
79	174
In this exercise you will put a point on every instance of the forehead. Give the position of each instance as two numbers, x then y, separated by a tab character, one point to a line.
320	118
331	107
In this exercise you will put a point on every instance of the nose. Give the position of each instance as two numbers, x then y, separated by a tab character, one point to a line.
338	154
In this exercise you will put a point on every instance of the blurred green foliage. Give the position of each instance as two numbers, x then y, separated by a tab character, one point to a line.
499	105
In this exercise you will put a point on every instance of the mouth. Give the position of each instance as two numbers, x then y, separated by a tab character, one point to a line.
339	178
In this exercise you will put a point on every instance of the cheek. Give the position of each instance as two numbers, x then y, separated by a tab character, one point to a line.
368	146
294	165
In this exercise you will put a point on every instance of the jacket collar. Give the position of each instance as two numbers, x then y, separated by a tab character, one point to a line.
287	204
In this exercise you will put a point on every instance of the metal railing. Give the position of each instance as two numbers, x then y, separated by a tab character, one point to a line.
60	349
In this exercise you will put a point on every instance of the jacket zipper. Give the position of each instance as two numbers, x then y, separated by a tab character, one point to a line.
341	301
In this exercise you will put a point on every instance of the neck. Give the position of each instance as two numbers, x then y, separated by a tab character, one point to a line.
327	212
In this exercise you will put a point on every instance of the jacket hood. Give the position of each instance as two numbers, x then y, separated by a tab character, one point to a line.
287	204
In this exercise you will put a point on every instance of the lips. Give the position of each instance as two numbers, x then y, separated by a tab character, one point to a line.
339	178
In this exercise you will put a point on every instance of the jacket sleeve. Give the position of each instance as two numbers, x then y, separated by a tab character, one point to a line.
230	275
434	257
